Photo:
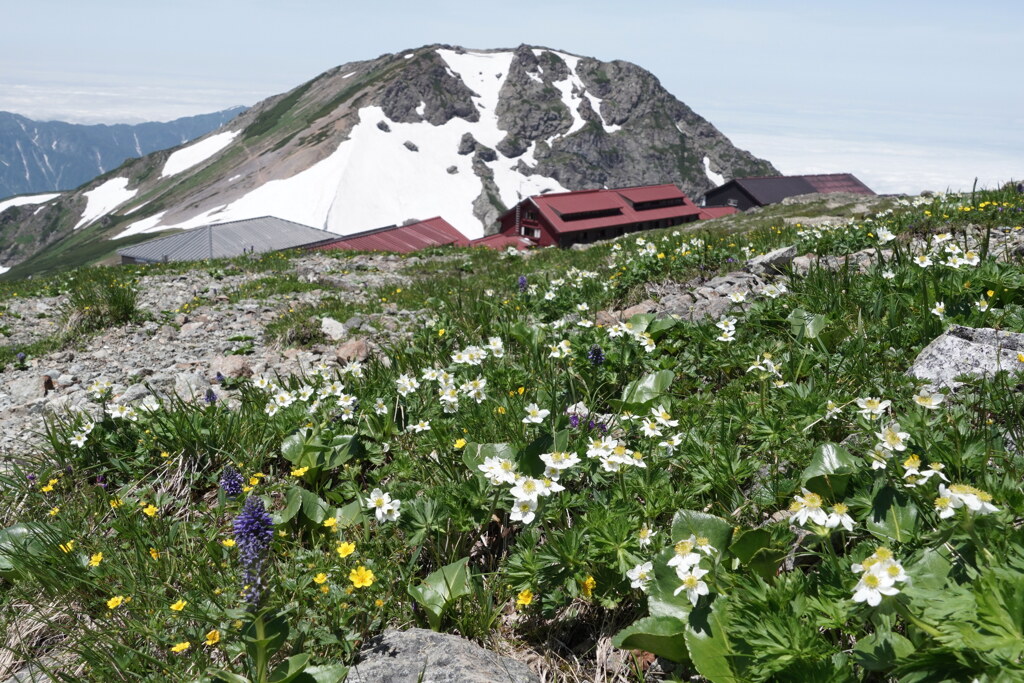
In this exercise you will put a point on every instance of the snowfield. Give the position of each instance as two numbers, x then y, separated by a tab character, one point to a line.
373	180
716	178
104	199
196	153
27	199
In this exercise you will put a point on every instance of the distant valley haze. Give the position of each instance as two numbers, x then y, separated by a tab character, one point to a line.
907	96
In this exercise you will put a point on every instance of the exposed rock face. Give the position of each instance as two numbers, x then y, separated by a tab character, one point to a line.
420	655
426	84
979	352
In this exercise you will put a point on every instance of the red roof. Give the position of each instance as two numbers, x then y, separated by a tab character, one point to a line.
837	182
709	212
501	241
616	207
433	232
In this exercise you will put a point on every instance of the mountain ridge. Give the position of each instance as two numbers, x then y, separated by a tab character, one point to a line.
434	130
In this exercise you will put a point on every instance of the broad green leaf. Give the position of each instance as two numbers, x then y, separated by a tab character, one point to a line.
806	325
688	523
19	539
640	322
829	471
893	517
648	387
661	324
343	448
264	636
881	651
294	450
661	635
314	508
931	571
292	505
749	541
289	669
227	676
709	646
350	514
440	588
662	600
326	673
474	454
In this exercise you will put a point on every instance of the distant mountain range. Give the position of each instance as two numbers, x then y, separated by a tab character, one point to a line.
44	156
436	130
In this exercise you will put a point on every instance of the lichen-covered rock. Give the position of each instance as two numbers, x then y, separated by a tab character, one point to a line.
773	262
419	655
974	351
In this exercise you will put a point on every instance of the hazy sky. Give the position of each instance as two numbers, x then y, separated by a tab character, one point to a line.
906	95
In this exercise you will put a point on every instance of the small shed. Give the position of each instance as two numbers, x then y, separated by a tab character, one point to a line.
744	193
225	240
402	239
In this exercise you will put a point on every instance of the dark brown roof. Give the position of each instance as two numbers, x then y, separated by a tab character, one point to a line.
771	189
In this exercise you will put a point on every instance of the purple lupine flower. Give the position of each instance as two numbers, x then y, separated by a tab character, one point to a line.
574	420
21	356
522	283
211	397
254	530
31	478
231	482
101	481
595	355
219	378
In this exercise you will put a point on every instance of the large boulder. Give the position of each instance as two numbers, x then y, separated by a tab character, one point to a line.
975	351
419	655
773	262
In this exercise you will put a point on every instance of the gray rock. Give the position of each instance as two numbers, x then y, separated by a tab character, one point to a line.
332	329
978	352
230	366
190	385
419	655
384	126
772	262
25	389
467	145
485	153
133	393
452	170
411	146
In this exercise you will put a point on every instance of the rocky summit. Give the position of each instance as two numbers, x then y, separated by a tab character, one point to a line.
438	130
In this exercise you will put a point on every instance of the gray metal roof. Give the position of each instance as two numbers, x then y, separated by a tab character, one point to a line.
224	240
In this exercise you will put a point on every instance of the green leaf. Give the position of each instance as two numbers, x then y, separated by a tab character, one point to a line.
294	448
350	514
829	471
661	635
474	454
806	325
688	523
314	508
648	387
661	324
326	673
289	669
893	517
264	636
753	548
709	646
931	571
17	540
640	322
227	676
440	588
661	598
881	651
292	504
343	448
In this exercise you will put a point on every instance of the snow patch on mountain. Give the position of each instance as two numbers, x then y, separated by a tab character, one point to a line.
27	199
196	153
573	84
717	178
104	199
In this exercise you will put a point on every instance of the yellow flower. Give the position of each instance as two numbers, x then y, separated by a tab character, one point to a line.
115	503
54	511
1020	356
213	637
68	547
460	443
228	543
164	454
325	589
440	332
521	390
331	522
378	602
95	560
115	602
181	647
588	586
524	598
361	577
150	510
154	553
253	481
299	472
178	606
345	549
320	578
501	410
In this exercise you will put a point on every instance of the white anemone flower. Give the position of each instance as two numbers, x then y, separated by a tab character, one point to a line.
808	506
839	517
640	575
535	414
524	511
692	584
927	399
384	507
892	438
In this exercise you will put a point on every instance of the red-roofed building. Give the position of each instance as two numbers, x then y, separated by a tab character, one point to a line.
568	218
403	239
502	241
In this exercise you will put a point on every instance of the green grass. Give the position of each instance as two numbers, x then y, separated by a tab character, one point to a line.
752	424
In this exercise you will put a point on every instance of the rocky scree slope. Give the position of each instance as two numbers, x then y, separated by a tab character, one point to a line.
436	130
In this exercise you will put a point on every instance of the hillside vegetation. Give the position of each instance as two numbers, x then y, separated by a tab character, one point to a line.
760	495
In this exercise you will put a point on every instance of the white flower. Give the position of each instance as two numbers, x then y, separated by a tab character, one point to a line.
926	399
982	304
406	384
879	572
640	575
923	260
692	583
941	237
872	407
528	488
726	336
892	438
684	557
774	291
832	410
663	417
806	506
560	460
271	409
726	323
839	517
385	509
421	426
737	297
524	511
939	309
78	440
122	412
284	398
549	295
498	470
645	535
879	457
884	236
650	427
872	587
496	347
889	275
963	495
535	414
971	258
379	407
561	349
